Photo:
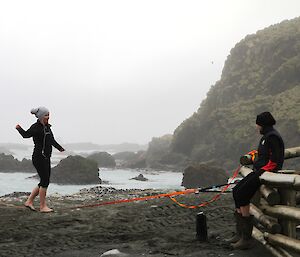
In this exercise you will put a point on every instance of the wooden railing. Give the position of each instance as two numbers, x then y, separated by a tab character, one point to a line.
275	209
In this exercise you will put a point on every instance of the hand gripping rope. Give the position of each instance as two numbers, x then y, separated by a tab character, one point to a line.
171	196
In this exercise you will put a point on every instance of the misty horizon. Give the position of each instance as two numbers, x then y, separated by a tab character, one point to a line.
118	71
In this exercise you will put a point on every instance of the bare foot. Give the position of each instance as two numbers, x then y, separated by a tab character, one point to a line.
29	206
46	210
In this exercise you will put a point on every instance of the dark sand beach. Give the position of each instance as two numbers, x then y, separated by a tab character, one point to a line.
153	228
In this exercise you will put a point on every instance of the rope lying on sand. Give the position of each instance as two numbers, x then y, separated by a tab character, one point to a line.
171	196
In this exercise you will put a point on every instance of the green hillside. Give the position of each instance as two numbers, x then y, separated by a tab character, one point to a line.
262	73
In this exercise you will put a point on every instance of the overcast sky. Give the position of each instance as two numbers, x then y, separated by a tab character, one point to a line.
118	70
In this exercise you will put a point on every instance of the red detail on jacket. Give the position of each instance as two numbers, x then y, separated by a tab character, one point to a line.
269	166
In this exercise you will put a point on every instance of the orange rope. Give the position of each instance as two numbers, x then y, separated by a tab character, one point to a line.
215	198
188	191
170	195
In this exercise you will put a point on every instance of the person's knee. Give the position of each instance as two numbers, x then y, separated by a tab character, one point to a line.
239	198
44	182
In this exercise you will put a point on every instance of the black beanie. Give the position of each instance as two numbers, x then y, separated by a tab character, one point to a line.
265	119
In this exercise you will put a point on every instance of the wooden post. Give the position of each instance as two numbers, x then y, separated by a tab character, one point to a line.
201	227
288	197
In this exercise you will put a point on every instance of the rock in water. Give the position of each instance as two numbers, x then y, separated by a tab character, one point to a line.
113	253
10	164
140	177
202	175
76	170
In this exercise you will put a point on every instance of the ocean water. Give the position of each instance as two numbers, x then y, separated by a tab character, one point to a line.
117	178
122	179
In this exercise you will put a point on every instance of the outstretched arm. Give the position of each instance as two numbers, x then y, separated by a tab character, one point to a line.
57	145
26	133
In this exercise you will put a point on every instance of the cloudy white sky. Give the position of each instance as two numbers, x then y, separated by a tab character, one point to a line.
119	70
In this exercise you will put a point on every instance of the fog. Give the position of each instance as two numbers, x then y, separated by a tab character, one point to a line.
120	70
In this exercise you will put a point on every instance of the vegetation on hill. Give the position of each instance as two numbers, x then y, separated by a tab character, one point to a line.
262	73
160	156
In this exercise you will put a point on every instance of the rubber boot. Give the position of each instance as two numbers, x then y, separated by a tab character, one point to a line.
238	229
246	242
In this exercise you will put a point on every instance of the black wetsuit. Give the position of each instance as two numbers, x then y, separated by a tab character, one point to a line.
270	158
43	141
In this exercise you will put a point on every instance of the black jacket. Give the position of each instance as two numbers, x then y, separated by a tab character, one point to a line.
270	151
43	139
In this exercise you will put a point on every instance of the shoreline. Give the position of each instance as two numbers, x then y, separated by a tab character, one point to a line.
121	179
154	228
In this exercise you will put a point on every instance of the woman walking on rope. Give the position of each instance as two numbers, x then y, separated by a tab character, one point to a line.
43	141
270	158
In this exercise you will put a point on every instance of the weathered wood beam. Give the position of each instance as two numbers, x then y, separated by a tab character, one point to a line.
275	179
283	251
281	211
273	227
271	196
296	172
292	152
283	241
244	171
279	180
274	250
298	199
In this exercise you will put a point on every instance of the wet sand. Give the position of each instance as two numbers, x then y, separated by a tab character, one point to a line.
153	228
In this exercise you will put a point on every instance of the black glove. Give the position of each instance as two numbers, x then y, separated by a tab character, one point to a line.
246	160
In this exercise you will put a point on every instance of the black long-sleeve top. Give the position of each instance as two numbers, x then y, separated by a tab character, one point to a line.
270	151
43	139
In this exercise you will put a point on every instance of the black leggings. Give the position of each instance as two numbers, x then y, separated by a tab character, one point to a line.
246	188
43	168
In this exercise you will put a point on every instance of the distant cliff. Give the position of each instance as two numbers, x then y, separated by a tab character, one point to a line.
262	73
10	164
103	159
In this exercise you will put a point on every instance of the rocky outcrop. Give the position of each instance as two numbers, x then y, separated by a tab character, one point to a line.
140	177
124	156
202	175
132	161
103	159
76	170
9	164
